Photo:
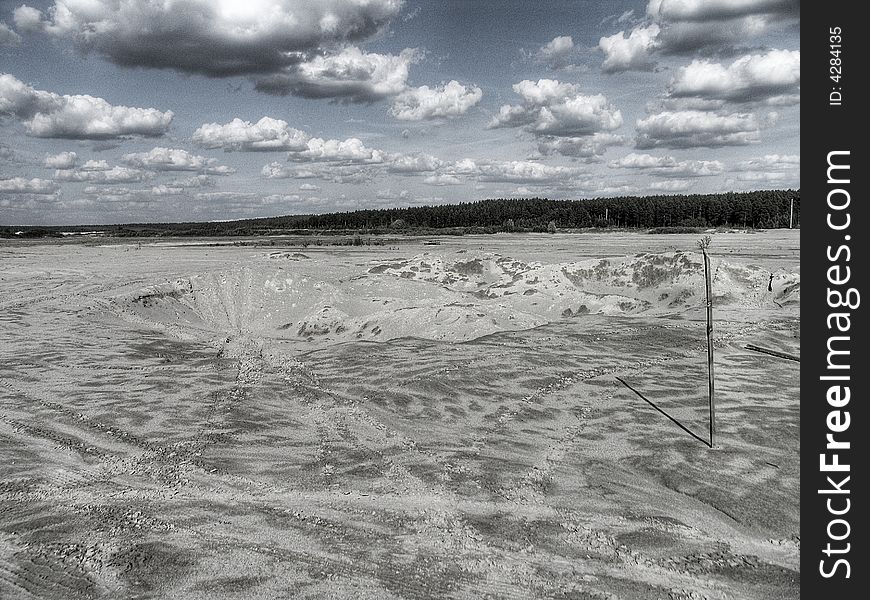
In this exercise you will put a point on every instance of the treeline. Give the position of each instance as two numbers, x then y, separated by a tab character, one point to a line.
761	209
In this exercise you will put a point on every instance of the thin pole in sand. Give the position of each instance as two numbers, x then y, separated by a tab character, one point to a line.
703	244
791	214
776	353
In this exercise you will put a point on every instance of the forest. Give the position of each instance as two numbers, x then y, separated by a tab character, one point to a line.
766	209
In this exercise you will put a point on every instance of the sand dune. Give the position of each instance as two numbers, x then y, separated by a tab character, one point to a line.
456	296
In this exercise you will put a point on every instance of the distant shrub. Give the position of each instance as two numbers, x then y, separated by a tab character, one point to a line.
680	229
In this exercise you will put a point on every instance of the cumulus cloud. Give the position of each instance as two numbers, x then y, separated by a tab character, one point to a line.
579	147
351	75
668	166
173	159
8	38
690	129
49	115
167	190
558	53
27	19
551	109
182	186
348	151
266	135
63	160
21	185
442	179
277	170
450	100
630	52
523	171
96	165
682	27
103	174
194	181
413	163
755	77
215	38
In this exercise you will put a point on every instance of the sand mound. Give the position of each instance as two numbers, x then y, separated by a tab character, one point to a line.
451	297
663	281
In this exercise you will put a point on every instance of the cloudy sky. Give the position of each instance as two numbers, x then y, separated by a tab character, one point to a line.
123	110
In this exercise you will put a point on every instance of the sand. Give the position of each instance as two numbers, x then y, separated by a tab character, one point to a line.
414	421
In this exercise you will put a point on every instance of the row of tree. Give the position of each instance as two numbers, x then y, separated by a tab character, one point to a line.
760	209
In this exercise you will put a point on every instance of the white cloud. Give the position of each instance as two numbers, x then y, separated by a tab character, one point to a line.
685	27
520	171
27	19
351	150
753	77
308	187
180	187
217	38
630	52
277	170
449	100
690	128
266	135
21	185
167	190
95	165
63	160
551	108
219	170
97	174
413	163
49	115
668	166
442	179
194	181
557	53
172	159
351	75
602	187
580	147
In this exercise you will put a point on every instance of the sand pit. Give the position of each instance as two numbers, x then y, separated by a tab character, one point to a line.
420	422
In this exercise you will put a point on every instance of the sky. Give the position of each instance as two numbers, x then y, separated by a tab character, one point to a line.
119	111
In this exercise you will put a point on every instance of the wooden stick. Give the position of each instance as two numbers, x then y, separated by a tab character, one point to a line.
710	347
776	353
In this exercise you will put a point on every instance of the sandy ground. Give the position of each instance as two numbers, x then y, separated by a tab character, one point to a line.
184	421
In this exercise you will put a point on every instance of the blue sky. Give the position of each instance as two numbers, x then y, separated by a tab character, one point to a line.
117	111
